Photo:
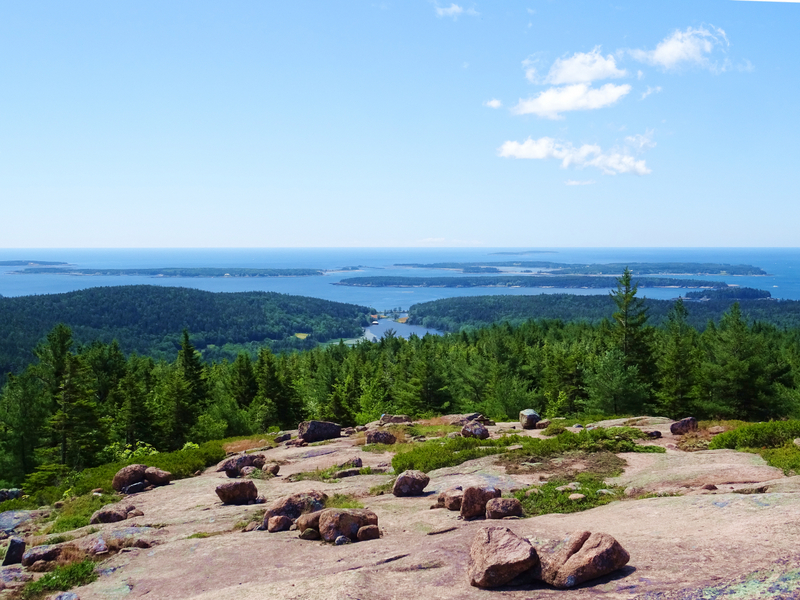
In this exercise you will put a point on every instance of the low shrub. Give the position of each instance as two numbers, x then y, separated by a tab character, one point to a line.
546	499
758	435
553	429
60	579
77	512
786	458
343	501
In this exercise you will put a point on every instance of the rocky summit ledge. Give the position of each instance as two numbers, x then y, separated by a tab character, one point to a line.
702	543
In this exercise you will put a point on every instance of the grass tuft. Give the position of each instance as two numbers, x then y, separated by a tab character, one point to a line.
758	435
549	500
60	579
343	501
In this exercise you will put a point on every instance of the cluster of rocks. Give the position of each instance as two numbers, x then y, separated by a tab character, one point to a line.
498	556
305	512
479	501
139	478
11	494
113	513
245	465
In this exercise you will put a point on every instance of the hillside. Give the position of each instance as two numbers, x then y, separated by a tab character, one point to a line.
149	320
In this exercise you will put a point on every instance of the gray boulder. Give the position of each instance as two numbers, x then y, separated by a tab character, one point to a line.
318	431
528	418
475	429
14	551
377	436
683	426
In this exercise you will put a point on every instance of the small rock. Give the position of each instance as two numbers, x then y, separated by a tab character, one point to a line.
128	476
576	497
352	463
796	441
453	434
111	513
577	426
631	492
98	490
501	508
44	554
278	523
473	503
497	555
251	526
581	557
528	418
134	488
98	547
368	532
709	486
683	426
157	476
410	483
348	431
64	596
475	429
237	492
716	430
272	469
14	551
282	437
533	492
134	513
310	534
386	419
341	540
543	424
653	435
451	498
58	504
346	473
378	436
361	428
318	431
605	492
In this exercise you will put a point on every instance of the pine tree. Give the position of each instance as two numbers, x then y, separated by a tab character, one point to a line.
193	372
677	363
242	383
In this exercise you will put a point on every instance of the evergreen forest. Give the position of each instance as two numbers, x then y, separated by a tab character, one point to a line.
77	405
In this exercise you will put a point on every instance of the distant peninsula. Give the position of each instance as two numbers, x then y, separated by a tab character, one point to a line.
523	253
30	263
175	272
554	268
526	281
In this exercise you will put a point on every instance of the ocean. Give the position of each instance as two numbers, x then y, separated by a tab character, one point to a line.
782	264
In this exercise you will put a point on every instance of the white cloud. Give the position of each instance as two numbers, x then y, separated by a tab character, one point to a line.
454	10
693	47
451	11
641	141
550	103
493	103
584	67
574	182
651	90
611	163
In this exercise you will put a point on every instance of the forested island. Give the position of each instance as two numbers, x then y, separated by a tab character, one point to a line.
149	320
76	405
526	281
30	263
175	272
616	269
472	312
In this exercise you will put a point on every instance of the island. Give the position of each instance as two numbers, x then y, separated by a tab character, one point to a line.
30	263
526	281
174	272
658	268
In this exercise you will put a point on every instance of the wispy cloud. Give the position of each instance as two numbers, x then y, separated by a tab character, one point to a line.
640	141
693	46
454	10
551	103
611	163
584	67
575	182
493	103
651	90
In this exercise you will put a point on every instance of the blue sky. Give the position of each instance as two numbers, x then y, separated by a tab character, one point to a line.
399	123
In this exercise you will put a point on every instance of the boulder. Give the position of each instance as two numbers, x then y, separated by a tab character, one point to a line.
473	503
581	557
348	431
45	554
683	426
376	436
346	473
543	424
341	540
451	498
361	428
282	437
259	460
235	464
368	532
111	513
497	555
352	463
475	429
98	547
410	483
272	469
127	476
135	488
716	430
308	521
500	508
386	419
576	497
528	418
278	523
14	551
317	431
295	505
237	492
157	476
335	522
796	442
247	471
